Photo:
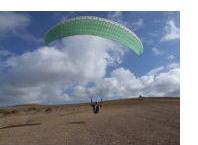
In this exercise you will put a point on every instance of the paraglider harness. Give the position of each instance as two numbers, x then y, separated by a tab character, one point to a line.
96	106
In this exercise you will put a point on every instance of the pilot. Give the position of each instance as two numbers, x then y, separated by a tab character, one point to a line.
96	106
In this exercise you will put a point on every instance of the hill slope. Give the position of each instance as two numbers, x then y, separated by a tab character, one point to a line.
124	122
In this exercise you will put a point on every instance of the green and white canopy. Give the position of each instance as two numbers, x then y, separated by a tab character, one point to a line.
89	25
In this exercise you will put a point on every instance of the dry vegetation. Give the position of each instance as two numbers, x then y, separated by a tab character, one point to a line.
122	122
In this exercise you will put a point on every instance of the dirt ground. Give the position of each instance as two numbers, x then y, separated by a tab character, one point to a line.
124	122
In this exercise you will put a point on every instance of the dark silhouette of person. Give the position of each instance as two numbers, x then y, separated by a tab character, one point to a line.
96	106
141	97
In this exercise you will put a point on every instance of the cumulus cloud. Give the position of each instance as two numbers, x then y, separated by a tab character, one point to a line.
162	81
41	75
72	69
171	31
121	84
156	71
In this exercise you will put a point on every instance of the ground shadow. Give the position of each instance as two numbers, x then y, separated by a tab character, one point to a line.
77	122
20	125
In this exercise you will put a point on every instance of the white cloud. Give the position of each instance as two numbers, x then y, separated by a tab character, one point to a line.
118	17
115	16
138	23
173	65
157	51
165	84
162	81
4	53
28	37
11	21
171	31
62	16
171	57
63	72
156	71
43	73
148	41
121	84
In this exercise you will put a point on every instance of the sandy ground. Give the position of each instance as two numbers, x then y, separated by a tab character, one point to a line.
126	122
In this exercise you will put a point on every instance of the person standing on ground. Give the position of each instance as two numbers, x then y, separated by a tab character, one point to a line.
96	106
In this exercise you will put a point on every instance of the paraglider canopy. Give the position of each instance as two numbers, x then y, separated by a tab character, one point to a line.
89	25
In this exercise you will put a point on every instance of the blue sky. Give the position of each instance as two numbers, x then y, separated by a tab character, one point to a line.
154	73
